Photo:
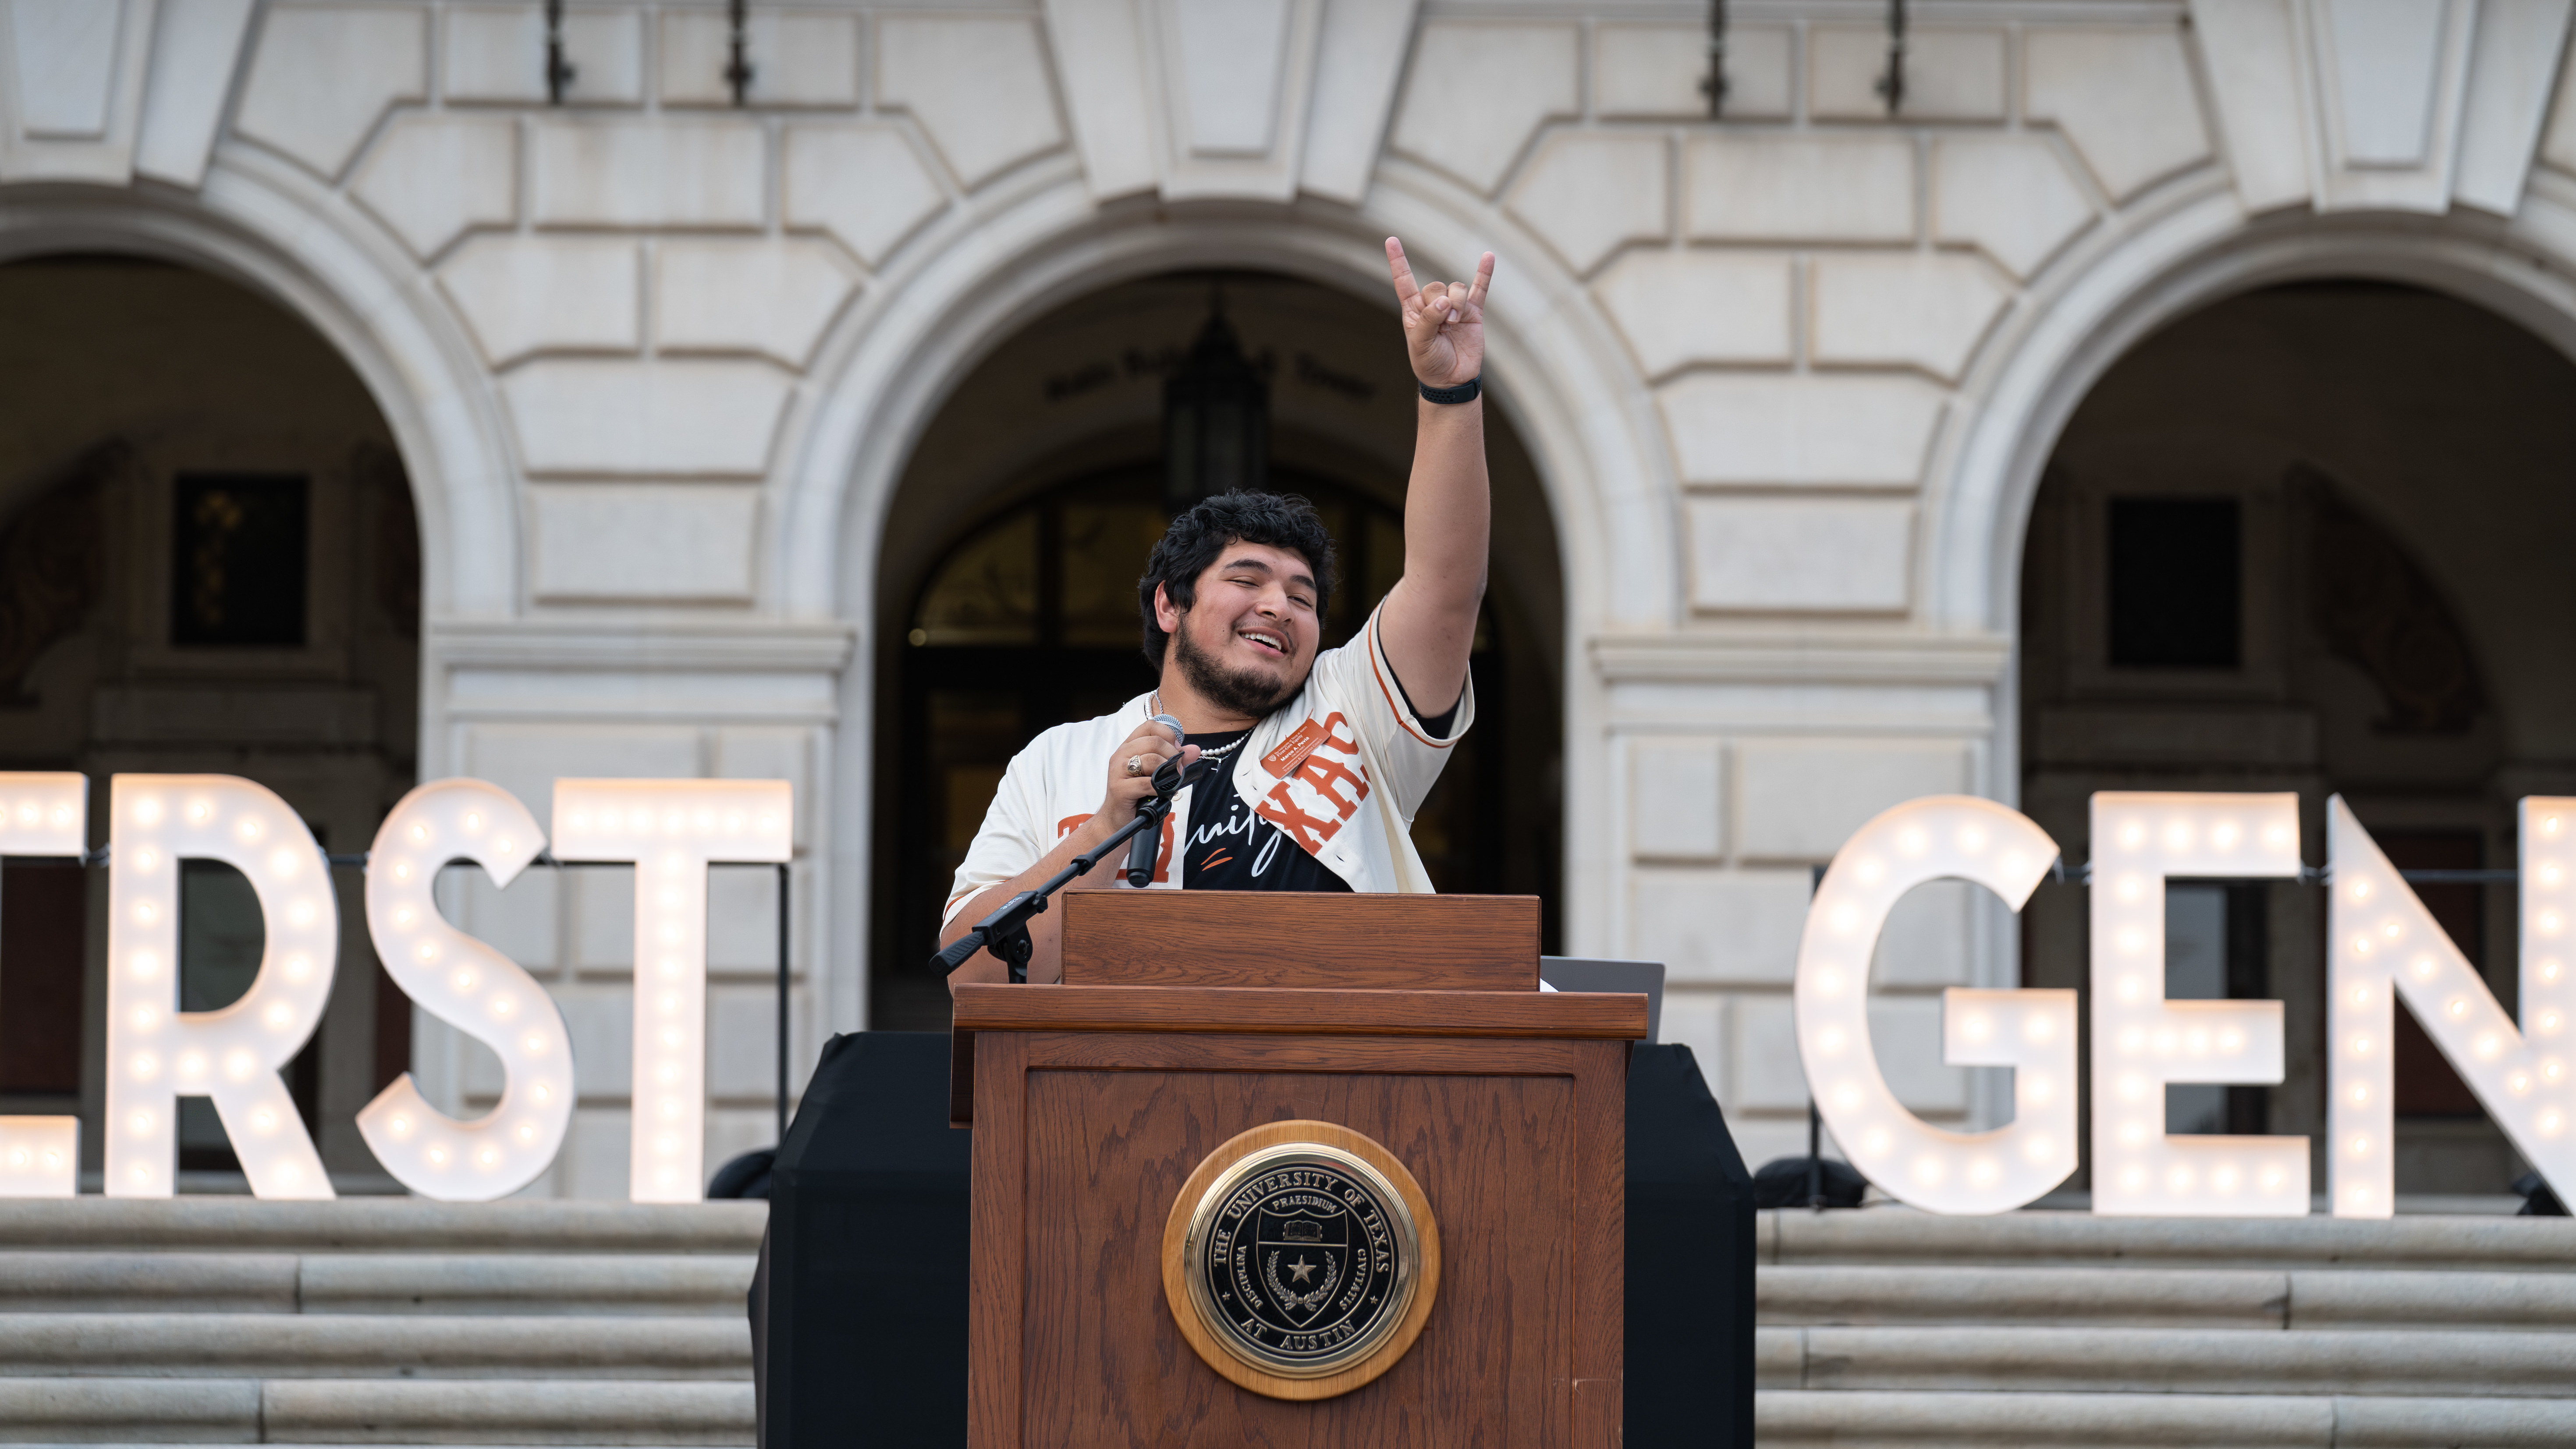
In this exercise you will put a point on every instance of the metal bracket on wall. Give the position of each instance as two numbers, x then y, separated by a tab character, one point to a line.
1714	86
738	71
559	71
1892	85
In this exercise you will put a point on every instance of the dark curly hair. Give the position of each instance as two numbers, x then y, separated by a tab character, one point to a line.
1195	539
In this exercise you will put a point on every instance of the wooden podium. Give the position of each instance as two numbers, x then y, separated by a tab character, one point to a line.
1409	1028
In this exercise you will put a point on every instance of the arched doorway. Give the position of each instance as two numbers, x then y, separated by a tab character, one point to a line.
2306	539
209	562
1011	551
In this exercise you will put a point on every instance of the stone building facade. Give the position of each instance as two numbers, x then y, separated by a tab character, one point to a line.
657	367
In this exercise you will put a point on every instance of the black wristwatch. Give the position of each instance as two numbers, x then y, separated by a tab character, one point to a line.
1463	392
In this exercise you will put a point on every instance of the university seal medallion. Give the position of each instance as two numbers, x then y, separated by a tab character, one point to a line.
1301	1259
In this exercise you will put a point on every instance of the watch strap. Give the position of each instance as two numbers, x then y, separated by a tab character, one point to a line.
1463	392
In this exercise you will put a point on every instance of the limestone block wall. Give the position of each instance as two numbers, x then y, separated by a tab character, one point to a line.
655	363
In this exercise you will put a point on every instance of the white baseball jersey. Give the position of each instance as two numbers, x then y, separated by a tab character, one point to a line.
1341	769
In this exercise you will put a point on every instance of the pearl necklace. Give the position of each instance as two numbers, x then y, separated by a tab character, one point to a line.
1221	751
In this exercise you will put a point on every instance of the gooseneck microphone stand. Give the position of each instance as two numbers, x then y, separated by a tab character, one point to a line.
1006	931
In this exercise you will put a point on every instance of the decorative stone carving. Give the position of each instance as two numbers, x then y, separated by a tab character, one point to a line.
2401	107
196	45
1241	98
72	88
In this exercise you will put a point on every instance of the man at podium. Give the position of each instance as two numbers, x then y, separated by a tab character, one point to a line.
1318	760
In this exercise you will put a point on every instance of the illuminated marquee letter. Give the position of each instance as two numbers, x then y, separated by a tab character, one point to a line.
469	985
2141	1041
2033	1032
157	1053
671	830
43	814
2385	945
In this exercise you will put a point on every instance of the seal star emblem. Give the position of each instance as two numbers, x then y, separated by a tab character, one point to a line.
1301	1270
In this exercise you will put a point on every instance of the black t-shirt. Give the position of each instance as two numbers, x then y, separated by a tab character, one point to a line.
1228	848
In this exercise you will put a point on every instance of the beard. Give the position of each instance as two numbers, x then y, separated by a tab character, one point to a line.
1240	691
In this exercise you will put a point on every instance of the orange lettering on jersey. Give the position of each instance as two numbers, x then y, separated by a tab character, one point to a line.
1314	799
1311	833
1162	862
1293	750
1325	772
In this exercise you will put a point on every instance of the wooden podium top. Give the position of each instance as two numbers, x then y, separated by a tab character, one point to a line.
1261	964
1289	938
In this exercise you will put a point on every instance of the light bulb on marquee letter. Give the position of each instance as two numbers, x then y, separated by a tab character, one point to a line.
2382	944
39	1156
41	813
2141	1041
44	813
156	1053
2032	1031
671	830
470	986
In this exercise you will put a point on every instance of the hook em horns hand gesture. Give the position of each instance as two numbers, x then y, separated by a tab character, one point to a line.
1444	322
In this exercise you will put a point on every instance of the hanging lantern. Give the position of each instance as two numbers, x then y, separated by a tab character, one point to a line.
1216	419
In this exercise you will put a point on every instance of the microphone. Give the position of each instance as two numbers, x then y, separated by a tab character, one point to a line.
1168	780
1169	723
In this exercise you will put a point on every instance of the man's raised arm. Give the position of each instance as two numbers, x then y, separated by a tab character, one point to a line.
1430	615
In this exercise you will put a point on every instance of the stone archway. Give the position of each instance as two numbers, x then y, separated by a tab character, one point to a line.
1559	376
2328	403
405	348
209	564
1006	598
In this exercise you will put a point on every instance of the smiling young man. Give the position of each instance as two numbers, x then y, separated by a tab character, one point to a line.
1321	757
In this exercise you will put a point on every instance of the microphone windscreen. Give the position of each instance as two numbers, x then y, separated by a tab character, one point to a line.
1169	723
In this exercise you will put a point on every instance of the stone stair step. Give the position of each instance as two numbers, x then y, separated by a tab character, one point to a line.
286	1345
411	1225
1873	1420
376	1283
2310	1298
497	1283
1894	1235
372	1411
1826	1294
363	1411
42	1282
2463	1365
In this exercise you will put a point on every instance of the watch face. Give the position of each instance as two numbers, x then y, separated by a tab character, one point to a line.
1301	1260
